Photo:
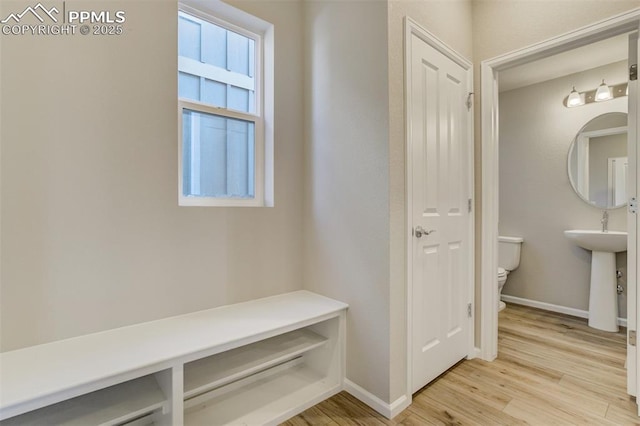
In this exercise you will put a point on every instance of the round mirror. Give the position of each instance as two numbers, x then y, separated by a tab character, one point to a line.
598	161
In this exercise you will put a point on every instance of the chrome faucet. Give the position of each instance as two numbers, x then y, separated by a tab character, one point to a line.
605	221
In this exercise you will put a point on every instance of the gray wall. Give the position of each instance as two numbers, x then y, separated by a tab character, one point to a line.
346	209
92	236
537	201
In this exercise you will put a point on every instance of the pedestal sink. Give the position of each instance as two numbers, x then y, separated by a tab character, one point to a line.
603	299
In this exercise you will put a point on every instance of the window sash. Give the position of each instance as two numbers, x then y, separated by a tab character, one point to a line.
227	77
258	175
220	159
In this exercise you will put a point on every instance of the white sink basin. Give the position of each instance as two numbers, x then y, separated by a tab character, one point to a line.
603	298
611	241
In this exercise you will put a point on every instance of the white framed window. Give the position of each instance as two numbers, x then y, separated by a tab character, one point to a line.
225	107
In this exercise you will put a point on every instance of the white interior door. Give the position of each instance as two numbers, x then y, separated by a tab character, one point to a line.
439	151
632	220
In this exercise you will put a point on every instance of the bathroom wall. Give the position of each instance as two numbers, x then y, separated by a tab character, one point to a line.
92	236
537	201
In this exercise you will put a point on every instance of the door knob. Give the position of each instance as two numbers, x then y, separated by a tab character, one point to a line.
419	231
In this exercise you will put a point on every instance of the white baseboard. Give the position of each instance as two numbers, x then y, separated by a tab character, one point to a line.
553	308
387	410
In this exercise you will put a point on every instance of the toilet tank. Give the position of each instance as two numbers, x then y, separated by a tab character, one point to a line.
509	252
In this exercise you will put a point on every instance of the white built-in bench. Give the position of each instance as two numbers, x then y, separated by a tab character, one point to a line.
253	363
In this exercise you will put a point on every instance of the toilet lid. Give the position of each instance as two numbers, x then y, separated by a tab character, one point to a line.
501	271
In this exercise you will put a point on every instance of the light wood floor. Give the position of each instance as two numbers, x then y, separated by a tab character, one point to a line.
551	369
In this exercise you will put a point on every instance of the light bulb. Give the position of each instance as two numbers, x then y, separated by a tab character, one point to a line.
603	93
574	98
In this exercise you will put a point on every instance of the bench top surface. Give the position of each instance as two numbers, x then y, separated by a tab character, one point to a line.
43	370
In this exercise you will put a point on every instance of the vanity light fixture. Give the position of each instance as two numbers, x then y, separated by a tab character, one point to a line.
604	92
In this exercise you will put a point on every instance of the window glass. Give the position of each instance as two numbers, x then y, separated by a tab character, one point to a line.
189	86
218	156
189	38
222	60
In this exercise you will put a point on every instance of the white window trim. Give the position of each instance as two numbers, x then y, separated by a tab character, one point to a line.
243	23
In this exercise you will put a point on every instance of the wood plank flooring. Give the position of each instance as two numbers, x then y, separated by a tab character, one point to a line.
552	369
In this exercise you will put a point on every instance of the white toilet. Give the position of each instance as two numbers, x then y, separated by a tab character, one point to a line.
508	260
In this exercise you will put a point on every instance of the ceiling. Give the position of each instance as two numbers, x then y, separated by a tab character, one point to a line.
583	58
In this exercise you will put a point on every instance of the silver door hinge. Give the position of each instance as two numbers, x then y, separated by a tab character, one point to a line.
469	310
633	205
470	204
632	337
633	72
469	101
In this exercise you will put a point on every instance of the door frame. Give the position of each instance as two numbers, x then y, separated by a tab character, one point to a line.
616	25
413	28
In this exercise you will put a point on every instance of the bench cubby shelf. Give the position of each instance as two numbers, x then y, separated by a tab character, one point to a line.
116	404
257	362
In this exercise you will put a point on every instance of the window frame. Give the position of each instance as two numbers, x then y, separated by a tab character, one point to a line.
229	18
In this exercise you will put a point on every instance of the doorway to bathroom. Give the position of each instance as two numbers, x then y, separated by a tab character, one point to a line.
492	71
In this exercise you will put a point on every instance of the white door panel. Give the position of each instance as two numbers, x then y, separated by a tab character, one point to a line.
439	148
